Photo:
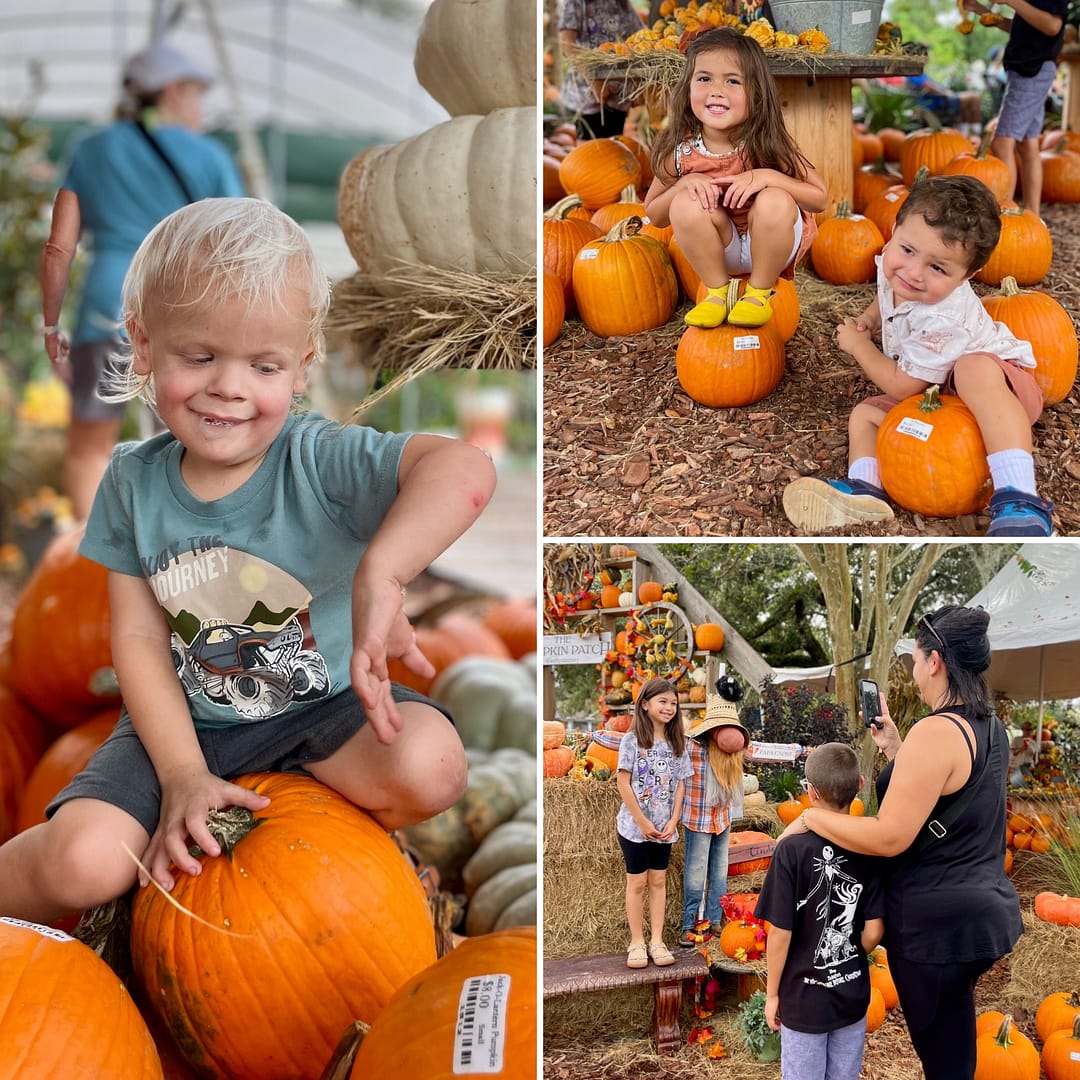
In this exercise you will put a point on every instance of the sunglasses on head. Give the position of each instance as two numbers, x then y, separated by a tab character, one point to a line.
925	621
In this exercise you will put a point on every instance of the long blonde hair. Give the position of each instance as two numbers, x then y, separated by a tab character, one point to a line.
724	776
764	137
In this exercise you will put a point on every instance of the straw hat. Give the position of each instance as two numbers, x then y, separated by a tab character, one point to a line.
719	712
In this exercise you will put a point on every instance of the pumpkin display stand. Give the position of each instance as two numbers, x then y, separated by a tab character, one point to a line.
437	318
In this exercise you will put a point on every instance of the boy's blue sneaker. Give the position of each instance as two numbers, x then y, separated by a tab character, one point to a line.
813	505
1018	513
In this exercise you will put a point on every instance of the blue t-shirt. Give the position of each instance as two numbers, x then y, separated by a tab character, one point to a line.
257	585
124	190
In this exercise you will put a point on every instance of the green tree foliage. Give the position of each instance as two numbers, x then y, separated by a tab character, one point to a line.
934	22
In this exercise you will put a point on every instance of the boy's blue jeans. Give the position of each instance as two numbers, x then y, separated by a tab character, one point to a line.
705	865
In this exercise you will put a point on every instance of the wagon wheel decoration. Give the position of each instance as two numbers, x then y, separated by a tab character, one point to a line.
661	642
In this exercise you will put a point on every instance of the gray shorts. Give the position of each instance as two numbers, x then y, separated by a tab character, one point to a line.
830	1055
88	364
1024	105
121	772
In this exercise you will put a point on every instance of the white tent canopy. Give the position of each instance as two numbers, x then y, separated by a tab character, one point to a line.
1034	606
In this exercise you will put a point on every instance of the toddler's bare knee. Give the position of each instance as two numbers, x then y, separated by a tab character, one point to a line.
78	870
434	776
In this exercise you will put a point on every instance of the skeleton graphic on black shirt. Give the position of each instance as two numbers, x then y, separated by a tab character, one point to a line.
835	910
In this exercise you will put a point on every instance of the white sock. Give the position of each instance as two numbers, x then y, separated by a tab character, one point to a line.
1013	468
866	469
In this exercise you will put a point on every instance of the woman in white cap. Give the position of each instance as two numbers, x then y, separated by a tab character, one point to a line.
120	182
714	798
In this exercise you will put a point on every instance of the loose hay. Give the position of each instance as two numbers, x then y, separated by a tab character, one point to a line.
1045	960
436	318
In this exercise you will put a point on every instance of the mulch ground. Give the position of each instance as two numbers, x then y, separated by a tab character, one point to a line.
628	453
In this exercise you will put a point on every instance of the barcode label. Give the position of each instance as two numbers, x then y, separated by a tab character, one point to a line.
746	341
918	428
44	931
480	1035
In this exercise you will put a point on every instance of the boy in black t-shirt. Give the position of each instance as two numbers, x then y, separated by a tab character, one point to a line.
1035	35
825	905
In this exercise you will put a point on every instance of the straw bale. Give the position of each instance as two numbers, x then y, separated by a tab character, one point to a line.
415	319
1046	960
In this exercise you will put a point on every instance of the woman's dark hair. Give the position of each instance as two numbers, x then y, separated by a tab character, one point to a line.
958	636
643	725
962	208
764	136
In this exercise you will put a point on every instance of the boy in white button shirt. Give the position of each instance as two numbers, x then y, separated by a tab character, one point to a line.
935	330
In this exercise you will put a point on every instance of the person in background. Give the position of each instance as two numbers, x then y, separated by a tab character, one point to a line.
120	182
1036	32
600	105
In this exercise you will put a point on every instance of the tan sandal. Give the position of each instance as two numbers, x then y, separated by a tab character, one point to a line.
637	956
660	954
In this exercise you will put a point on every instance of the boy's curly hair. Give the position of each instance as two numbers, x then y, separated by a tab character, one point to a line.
962	209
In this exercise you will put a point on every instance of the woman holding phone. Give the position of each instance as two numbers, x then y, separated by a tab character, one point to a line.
951	912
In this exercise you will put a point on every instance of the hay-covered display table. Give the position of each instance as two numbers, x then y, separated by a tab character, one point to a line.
815	93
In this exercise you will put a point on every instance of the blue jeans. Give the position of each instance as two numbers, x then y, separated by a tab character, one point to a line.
832	1055
705	864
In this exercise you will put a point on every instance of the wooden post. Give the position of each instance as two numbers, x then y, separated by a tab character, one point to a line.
1070	113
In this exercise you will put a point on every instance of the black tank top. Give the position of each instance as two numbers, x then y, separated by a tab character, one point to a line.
952	901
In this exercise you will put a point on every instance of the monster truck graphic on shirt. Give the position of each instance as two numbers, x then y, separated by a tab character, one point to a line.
242	634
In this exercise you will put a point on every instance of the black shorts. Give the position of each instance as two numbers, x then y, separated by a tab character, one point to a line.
121	772
89	363
642	855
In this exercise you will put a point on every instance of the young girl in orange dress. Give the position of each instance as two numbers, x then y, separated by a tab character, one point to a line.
730	180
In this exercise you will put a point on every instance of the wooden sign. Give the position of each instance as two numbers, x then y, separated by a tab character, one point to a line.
575	648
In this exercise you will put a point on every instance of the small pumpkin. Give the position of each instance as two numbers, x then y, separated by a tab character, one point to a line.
554	733
609	596
709	637
845	247
932	456
554	307
881	978
1056	1011
745	936
1055	908
1024	250
624	282
1060	174
514	621
597	170
564	235
1006	1052
650	592
558	760
1061	1053
620	722
932	149
729	366
788	810
875	1011
627	205
502	965
872	180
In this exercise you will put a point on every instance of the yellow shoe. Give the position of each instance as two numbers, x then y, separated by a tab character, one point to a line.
753	309
712	311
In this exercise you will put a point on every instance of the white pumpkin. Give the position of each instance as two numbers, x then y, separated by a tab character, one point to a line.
461	195
749	783
473	56
493	702
626	599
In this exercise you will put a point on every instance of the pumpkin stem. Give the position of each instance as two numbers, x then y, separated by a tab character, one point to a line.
228	828
628	194
921	174
339	1067
1002	1038
931	401
1009	287
843	209
563	207
445	911
106	929
628	227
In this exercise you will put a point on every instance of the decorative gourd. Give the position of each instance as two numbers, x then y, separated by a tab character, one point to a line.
875	1011
1008	1052
461	195
473	56
1040	319
932	149
564	235
984	166
61	647
597	170
624	282
63	1012
514	621
1024	250
1056	908
55	768
844	249
418	1033
729	366
626	599
318	894
558	760
935	464
504	900
709	637
449	639
513	843
1055	1012
1061	1053
493	702
554	307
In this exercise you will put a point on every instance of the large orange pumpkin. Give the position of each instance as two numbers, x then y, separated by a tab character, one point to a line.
844	249
709	636
729	366
1024	250
1040	319
785	305
743	839
61	652
1057	1011
514	621
64	1013
597	170
22	742
649	592
564	235
1060	175
324	921
67	756
932	456
603	748
452	637
624	282
486	983
644	158
932	149
984	166
554	312
1061	1053
1006	1052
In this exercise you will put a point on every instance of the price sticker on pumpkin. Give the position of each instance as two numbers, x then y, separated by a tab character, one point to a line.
480	1034
44	931
747	341
919	429
589	253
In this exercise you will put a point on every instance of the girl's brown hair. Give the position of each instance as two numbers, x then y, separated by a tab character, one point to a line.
643	725
764	136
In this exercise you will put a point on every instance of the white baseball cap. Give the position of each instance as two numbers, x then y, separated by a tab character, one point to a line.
153	68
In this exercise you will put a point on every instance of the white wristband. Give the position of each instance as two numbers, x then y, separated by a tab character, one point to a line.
50	330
